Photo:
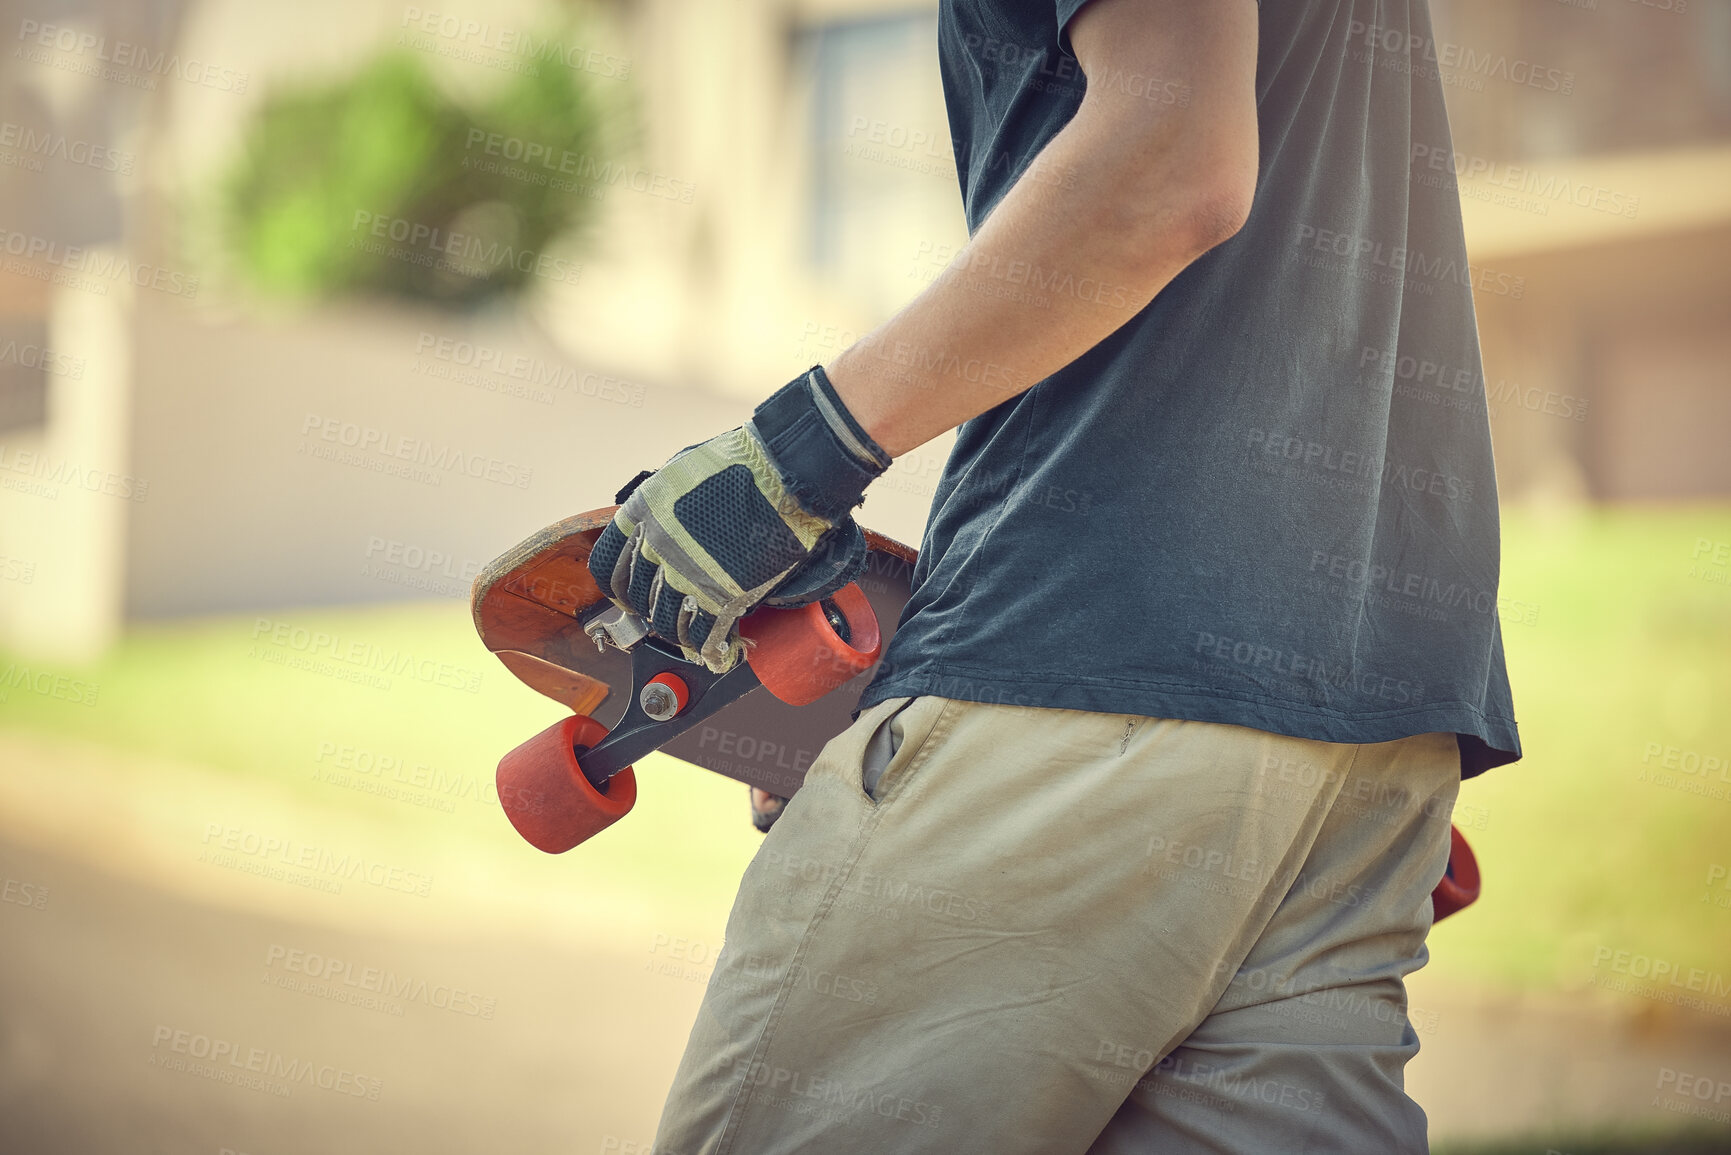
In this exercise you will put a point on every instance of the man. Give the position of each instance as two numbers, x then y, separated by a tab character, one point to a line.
1132	842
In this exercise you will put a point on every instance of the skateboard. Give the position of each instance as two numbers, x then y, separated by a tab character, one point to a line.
538	609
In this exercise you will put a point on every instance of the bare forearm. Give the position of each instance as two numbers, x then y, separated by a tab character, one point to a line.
1043	281
1115	206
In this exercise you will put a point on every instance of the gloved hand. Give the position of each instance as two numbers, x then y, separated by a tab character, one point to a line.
758	514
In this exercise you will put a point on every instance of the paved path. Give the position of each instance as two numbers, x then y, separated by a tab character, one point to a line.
573	1057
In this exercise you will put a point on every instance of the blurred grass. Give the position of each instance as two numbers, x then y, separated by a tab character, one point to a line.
215	692
1625	648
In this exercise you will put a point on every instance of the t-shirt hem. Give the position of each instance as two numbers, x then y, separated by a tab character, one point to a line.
1498	737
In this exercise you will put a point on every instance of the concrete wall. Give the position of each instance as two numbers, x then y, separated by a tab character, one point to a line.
371	453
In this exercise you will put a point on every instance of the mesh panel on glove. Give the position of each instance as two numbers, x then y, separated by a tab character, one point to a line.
605	556
728	516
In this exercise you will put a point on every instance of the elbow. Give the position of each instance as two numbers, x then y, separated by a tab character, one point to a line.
1215	210
1210	189
1191	183
1175	223
1170	188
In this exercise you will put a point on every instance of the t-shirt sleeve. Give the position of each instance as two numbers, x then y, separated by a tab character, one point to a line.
1067	9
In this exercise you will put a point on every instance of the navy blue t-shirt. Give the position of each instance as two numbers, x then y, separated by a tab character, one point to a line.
1267	500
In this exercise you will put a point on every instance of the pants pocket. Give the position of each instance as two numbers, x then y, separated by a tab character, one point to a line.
896	742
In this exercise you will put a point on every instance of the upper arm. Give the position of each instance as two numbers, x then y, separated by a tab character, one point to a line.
1178	74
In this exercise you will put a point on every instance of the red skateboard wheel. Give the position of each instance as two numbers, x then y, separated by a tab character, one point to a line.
1460	882
799	657
547	798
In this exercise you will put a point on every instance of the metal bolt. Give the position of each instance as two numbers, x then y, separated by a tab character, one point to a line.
658	702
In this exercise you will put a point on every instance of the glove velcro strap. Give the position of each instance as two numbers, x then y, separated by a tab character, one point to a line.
824	457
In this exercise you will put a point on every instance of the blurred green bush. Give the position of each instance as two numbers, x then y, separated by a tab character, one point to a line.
382	183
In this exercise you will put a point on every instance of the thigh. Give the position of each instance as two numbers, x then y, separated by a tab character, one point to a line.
975	954
1306	1049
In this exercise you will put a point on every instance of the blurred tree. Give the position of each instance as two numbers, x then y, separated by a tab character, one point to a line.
381	183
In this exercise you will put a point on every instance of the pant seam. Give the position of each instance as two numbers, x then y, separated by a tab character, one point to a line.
867	827
862	838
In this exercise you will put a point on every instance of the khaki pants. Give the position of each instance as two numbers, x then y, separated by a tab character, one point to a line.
1055	931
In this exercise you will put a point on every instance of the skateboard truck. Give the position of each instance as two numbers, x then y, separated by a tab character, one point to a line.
669	694
575	778
615	624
